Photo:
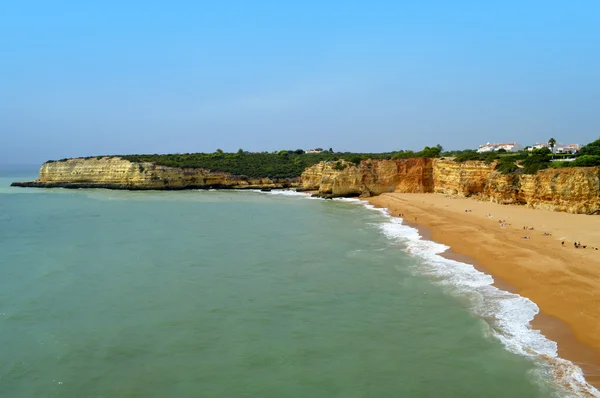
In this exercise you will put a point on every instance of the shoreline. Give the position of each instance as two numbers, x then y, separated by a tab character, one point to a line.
480	241
138	187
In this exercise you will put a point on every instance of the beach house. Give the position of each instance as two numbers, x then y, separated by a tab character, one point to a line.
567	148
539	145
508	147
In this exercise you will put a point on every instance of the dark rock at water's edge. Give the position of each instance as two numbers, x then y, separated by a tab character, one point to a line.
332	196
134	187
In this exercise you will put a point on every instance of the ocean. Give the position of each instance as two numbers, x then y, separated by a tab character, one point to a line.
247	294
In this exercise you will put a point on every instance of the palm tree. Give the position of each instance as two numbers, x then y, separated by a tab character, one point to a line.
551	144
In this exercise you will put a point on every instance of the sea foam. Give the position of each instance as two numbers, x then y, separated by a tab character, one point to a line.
508	315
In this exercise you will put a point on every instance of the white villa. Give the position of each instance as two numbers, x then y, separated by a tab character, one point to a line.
558	148
569	148
508	147
539	145
316	150
514	147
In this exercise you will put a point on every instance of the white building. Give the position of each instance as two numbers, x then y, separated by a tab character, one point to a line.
539	145
568	148
508	147
487	148
558	148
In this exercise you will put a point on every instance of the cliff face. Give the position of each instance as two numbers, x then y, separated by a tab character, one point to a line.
370	177
117	173
574	190
462	179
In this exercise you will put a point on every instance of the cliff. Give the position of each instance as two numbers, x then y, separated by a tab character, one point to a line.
574	190
117	173
370	177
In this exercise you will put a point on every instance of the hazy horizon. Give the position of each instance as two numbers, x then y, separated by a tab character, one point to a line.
111	78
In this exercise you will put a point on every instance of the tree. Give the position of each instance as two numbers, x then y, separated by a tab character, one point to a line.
355	159
538	160
501	150
433	152
593	148
551	144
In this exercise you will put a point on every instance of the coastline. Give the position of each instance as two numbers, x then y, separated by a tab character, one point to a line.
563	282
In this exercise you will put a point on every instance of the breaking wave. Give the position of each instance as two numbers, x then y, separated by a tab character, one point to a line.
508	315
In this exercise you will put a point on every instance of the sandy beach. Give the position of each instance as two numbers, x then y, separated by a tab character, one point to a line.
562	280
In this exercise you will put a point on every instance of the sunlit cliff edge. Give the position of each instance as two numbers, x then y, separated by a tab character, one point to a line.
117	173
573	190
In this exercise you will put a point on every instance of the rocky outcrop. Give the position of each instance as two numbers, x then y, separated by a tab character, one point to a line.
117	173
461	179
370	177
574	190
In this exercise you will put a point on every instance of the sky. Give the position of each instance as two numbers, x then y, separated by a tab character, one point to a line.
119	77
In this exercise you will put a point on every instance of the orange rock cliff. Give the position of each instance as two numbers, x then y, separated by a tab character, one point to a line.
117	173
573	190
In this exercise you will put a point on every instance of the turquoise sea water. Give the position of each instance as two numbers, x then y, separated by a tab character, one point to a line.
233	294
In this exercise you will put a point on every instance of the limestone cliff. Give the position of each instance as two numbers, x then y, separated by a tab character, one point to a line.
117	173
462	179
370	177
574	190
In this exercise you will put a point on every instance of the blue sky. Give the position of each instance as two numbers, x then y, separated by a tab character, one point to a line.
79	79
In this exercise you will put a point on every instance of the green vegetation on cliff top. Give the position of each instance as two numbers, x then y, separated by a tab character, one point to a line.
282	164
291	163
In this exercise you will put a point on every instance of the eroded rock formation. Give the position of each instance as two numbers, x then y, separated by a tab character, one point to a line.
574	190
370	177
117	173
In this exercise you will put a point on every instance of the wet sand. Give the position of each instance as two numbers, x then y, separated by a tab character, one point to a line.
562	280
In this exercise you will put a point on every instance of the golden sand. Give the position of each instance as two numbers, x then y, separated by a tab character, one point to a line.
562	280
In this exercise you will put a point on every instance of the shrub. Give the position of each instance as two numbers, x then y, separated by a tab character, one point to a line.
339	166
468	155
355	159
586	161
593	148
491	157
506	168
